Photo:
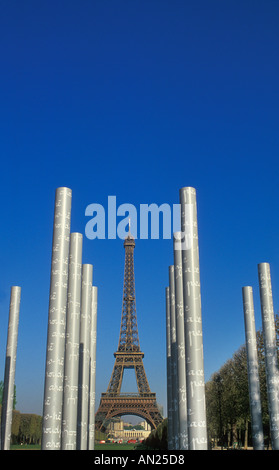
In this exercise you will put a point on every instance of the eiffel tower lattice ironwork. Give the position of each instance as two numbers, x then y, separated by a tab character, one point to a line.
128	356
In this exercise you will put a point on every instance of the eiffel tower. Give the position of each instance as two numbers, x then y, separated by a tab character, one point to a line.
128	356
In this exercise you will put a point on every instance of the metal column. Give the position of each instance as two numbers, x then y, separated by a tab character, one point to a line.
54	374
84	354
93	343
70	399
175	421
193	321
169	369
253	368
271	363
180	340
10	366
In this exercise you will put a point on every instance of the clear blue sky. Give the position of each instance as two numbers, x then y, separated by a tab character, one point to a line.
137	99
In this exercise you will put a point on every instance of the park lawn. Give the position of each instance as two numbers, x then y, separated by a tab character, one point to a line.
26	447
103	447
120	447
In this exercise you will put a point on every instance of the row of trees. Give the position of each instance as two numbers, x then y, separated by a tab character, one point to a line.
26	428
227	399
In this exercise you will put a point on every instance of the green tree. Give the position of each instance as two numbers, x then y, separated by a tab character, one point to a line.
158	438
15	426
30	428
214	409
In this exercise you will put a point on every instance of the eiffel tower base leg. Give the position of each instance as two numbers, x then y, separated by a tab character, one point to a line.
144	406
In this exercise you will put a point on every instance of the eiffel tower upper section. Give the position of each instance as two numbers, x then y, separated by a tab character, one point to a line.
128	354
129	337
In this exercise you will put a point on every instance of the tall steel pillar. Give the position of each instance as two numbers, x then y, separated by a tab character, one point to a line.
253	368
169	369
84	356
197	426
10	366
175	420
54	373
70	398
180	340
93	344
271	363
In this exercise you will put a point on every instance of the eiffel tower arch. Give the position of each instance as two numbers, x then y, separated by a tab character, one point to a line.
128	356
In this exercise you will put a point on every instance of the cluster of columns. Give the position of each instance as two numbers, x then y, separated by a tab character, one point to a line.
69	393
187	429
10	366
271	362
